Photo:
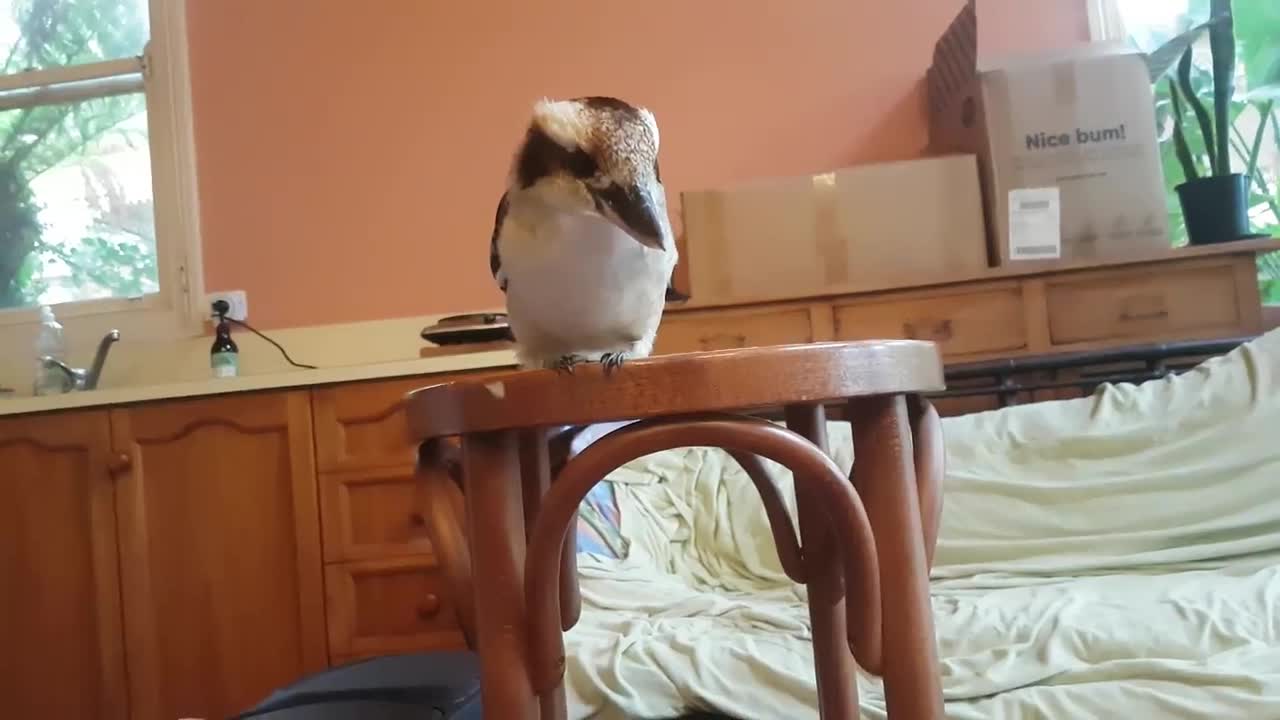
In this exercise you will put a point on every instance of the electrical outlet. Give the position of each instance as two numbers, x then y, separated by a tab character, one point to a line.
237	299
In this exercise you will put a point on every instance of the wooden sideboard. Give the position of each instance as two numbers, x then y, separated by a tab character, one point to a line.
183	558
1186	294
1202	292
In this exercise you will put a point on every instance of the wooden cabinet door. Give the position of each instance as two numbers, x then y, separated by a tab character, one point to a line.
61	643
220	552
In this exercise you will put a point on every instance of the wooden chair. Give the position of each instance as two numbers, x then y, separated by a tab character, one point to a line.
504	529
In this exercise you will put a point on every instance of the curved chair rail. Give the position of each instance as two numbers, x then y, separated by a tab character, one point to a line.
809	465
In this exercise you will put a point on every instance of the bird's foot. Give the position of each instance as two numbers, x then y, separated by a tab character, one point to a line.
567	363
612	361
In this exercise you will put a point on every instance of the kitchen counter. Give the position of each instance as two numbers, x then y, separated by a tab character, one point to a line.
460	362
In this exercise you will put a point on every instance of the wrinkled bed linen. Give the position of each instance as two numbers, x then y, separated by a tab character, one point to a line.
1106	557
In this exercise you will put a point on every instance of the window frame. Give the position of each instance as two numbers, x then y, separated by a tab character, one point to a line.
177	310
1105	24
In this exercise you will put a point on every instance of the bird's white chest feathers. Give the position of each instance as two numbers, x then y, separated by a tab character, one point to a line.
577	283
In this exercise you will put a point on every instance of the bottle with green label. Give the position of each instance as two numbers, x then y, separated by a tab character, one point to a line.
224	357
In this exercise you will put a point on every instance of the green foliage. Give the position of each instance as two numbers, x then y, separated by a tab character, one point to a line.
1269	278
36	140
19	232
1252	123
54	33
119	266
1257	30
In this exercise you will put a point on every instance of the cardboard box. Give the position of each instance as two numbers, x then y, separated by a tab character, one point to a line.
1066	145
869	227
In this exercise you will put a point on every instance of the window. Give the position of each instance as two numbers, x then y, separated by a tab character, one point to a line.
1145	24
97	190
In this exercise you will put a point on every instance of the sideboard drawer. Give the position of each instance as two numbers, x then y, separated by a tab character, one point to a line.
725	329
963	324
1144	305
390	606
363	425
370	514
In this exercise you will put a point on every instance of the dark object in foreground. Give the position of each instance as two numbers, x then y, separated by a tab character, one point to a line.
420	686
469	328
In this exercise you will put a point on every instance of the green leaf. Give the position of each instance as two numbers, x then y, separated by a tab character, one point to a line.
1222	43
1164	57
1257	29
1264	112
1197	106
1268	86
1182	150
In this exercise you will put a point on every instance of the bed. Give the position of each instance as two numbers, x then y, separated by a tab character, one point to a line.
1115	555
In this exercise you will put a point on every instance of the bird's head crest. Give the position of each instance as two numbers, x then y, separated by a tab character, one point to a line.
603	153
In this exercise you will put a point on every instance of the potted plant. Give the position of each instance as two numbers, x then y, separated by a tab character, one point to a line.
1215	200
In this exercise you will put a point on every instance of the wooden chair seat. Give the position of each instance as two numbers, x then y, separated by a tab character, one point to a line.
666	385
503	528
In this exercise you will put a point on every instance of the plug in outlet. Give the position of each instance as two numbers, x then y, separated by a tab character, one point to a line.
237	299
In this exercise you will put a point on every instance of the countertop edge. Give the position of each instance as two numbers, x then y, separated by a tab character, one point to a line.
268	381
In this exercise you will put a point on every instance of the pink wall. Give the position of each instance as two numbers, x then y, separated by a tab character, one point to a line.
350	160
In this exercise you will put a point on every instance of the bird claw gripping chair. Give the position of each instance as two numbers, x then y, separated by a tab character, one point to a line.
504	497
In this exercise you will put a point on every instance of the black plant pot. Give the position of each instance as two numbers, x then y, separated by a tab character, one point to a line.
1216	209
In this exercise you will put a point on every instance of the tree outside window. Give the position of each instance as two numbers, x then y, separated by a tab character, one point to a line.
77	219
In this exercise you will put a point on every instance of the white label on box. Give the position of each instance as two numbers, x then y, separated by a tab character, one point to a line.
1035	224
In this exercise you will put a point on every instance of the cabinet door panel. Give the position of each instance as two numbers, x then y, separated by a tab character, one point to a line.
220	552
60	627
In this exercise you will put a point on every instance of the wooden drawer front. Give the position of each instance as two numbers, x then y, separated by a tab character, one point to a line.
1143	305
962	324
362	426
726	329
389	606
373	514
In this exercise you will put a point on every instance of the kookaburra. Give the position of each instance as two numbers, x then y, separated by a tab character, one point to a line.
582	245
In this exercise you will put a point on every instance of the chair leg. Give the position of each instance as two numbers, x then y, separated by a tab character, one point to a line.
446	510
495	514
536	474
833	662
930	462
885	479
535	478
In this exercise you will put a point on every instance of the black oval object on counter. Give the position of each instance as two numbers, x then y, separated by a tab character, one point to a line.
468	329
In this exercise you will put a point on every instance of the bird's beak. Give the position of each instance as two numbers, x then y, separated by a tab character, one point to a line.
639	213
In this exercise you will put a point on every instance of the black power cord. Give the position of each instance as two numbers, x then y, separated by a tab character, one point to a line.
220	310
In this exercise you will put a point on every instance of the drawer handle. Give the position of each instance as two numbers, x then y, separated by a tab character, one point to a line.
417	520
939	331
1128	316
429	608
709	342
1143	307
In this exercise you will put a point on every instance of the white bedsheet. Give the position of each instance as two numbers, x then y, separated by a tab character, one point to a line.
1110	557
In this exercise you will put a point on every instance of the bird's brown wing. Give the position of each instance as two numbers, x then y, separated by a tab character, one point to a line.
495	260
